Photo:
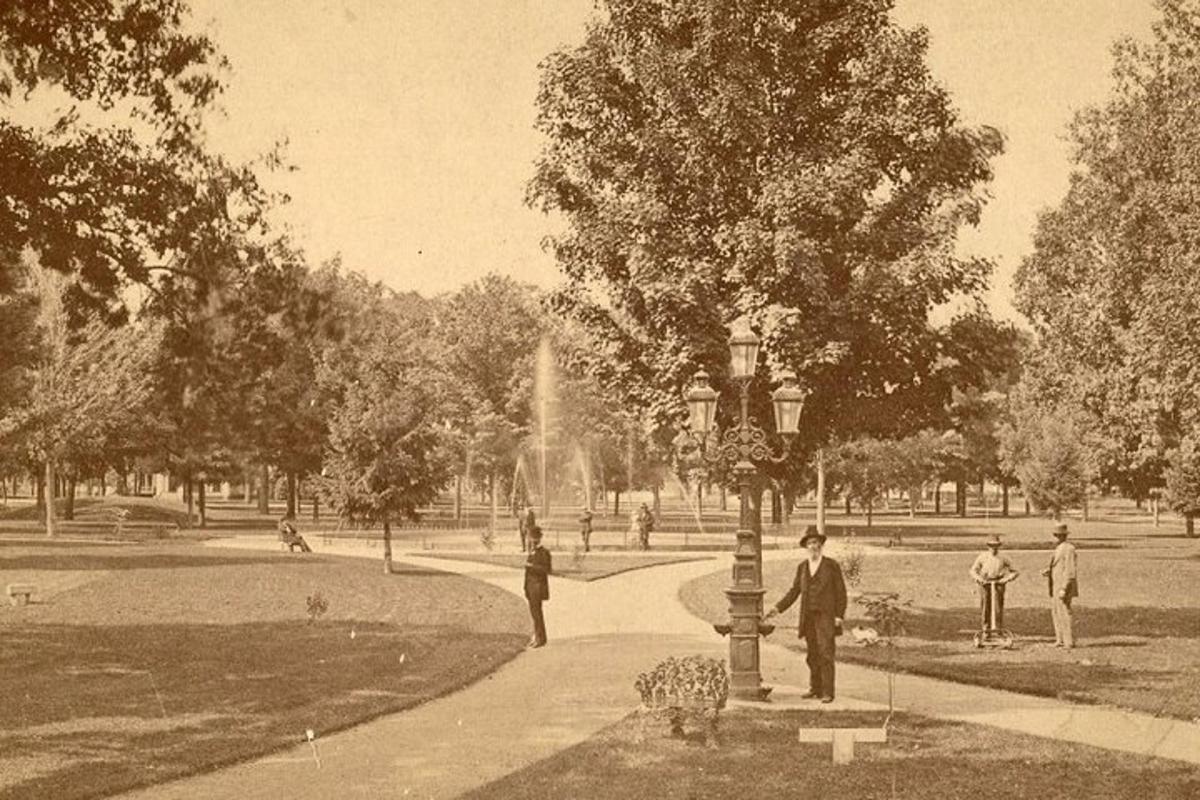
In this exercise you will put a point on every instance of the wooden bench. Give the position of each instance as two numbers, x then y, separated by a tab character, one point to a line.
19	593
843	739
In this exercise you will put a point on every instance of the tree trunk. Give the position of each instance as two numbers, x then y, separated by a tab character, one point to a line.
848	505
724	499
657	503
291	494
1004	498
49	497
264	489
190	496
870	508
387	546
821	491
1027	509
937	498
912	502
458	504
316	507
699	498
201	489
40	483
1154	505
69	509
1189	525
491	486
1085	507
616	502
960	498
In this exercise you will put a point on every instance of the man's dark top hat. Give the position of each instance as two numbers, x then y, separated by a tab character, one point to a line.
809	535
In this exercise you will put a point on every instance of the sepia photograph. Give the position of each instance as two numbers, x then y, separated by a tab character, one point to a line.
599	399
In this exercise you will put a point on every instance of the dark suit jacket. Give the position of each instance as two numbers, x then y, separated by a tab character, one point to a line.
537	574
825	591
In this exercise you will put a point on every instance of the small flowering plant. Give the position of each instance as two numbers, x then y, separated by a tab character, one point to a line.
694	687
689	678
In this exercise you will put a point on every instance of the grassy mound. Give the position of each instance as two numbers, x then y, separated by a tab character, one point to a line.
161	661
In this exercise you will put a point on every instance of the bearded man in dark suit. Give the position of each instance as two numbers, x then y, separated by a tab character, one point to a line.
822	594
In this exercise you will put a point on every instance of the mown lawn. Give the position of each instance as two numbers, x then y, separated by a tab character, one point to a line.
924	759
589	567
142	663
1137	625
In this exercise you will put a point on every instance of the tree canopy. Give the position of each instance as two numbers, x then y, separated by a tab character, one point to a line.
795	163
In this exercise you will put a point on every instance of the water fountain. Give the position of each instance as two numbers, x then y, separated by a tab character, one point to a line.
543	400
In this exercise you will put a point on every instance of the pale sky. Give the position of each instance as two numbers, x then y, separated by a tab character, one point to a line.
411	121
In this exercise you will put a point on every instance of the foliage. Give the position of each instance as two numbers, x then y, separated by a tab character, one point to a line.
690	677
886	612
1183	480
316	606
794	163
385	456
852	562
1045	451
1111	288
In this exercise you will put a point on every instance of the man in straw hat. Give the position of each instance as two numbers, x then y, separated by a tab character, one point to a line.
1063	587
822	593
992	568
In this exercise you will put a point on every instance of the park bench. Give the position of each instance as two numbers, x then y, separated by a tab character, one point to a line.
843	739
20	593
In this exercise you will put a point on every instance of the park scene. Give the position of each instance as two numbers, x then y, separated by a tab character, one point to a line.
599	399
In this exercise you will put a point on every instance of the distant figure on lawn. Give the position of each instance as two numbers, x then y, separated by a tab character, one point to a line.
291	537
1064	587
525	523
822	592
585	529
645	524
991	567
537	584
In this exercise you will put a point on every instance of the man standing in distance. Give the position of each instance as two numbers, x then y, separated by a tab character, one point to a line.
822	593
1063	587
537	584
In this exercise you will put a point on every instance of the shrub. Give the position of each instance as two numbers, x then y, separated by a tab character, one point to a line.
691	678
317	605
694	686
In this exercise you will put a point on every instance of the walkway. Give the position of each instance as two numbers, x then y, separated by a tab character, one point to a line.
602	635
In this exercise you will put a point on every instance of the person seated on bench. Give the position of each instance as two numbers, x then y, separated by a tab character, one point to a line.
291	537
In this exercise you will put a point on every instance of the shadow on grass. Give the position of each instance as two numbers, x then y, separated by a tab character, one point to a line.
154	702
86	561
958	624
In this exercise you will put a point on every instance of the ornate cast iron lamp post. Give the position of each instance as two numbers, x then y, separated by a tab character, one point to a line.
742	445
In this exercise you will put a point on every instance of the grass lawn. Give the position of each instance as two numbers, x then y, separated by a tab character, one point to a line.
924	759
589	567
1137	625
140	663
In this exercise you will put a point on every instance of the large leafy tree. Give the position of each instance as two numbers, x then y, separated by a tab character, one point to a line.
87	388
1112	287
95	199
386	454
790	162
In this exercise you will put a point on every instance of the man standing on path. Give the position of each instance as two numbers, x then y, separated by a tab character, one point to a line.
645	524
525	522
1063	587
585	529
991	567
537	584
822	593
